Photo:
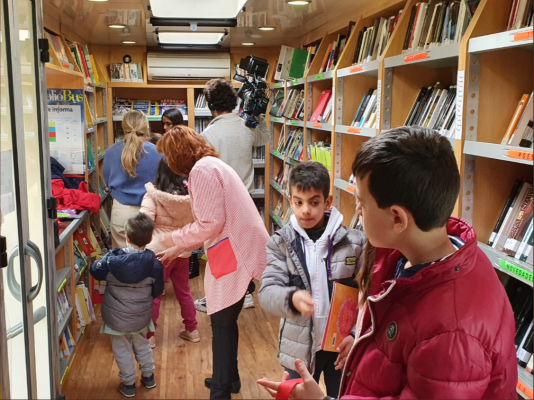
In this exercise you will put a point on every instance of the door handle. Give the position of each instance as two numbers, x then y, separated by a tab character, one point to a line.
33	251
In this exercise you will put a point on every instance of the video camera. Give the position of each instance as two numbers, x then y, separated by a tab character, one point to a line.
253	91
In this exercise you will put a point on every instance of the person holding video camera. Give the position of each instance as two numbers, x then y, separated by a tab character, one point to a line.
228	134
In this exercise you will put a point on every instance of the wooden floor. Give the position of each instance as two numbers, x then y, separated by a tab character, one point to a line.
181	366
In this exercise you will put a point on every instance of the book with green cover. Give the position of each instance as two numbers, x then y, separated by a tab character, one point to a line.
90	158
298	63
278	100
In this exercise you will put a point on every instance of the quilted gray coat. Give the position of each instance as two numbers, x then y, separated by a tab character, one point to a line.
287	272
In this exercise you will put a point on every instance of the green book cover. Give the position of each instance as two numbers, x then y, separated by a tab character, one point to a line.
90	159
298	63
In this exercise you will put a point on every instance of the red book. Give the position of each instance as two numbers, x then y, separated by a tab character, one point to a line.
321	104
414	24
83	240
82	60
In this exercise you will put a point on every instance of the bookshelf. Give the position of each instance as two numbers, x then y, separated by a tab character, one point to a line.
491	69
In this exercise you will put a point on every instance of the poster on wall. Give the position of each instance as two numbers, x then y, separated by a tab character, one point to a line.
66	129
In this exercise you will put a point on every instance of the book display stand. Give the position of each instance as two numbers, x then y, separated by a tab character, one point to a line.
490	69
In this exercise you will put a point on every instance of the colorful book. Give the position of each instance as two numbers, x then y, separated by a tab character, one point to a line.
342	316
321	105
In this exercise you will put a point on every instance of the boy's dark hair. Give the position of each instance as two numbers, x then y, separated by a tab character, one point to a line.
174	115
139	229
168	181
155	137
412	167
220	95
310	175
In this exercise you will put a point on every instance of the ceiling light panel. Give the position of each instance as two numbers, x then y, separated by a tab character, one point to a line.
190	37
204	9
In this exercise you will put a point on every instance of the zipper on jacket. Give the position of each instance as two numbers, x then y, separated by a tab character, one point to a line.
280	338
371	331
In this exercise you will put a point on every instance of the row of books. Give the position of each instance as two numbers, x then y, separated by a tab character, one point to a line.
520	296
372	40
312	51
85	311
66	343
259	182
519	131
123	106
279	212
321	152
293	146
201	124
258	153
437	23
365	116
85	62
323	109
434	108
513	232
201	101
282	177
63	306
520	14
121	72
334	51
291	108
291	63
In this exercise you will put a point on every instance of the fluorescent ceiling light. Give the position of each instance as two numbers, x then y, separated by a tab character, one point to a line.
190	37
128	42
117	26
248	44
266	28
204	9
298	2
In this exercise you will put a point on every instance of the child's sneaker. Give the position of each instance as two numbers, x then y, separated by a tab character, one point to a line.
191	336
152	342
149	382
200	305
249	301
127	390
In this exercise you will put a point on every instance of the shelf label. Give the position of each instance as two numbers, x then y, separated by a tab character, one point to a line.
520	155
296	82
320	126
356	69
291	161
64	374
416	57
277	85
320	76
520	36
277	154
294	122
276	219
350	189
353	130
460	80
62	284
527	275
524	389
276	119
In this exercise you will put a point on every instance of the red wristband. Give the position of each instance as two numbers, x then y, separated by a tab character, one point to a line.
285	388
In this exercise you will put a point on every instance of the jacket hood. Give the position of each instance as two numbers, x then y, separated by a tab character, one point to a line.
334	222
172	203
131	266
228	118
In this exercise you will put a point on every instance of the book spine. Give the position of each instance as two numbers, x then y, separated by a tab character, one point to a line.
526	208
524	353
509	201
409	30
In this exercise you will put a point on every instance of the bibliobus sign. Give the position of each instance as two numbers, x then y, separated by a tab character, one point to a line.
522	273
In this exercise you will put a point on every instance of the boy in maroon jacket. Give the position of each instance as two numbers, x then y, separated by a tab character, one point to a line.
434	320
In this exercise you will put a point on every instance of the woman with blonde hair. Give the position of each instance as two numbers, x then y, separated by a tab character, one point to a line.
229	226
128	166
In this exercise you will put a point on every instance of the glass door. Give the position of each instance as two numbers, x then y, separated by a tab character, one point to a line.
27	308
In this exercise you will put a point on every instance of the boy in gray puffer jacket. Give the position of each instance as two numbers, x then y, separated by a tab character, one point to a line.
134	279
304	259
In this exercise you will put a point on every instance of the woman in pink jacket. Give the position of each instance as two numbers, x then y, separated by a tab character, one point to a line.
167	202
229	226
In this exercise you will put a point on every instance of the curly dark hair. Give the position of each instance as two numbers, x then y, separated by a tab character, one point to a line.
221	95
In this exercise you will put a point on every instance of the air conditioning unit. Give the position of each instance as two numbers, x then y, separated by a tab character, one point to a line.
187	66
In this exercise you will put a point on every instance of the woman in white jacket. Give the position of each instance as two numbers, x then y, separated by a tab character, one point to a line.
168	203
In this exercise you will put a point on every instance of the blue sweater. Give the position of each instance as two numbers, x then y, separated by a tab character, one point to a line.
129	191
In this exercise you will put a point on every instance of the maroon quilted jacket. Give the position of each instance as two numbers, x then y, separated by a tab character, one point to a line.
447	332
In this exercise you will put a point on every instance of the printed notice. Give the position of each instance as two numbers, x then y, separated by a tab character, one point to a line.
378	101
459	104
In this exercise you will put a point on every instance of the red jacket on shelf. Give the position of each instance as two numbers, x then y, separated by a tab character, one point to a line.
76	199
447	332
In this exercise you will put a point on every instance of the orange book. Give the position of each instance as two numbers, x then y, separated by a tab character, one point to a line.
515	119
342	316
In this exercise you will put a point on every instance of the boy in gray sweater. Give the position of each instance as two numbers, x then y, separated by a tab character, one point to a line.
304	259
134	279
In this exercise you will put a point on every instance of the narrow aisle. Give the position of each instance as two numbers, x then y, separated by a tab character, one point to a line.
181	366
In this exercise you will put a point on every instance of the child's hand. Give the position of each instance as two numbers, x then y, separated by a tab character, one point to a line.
344	349
303	302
